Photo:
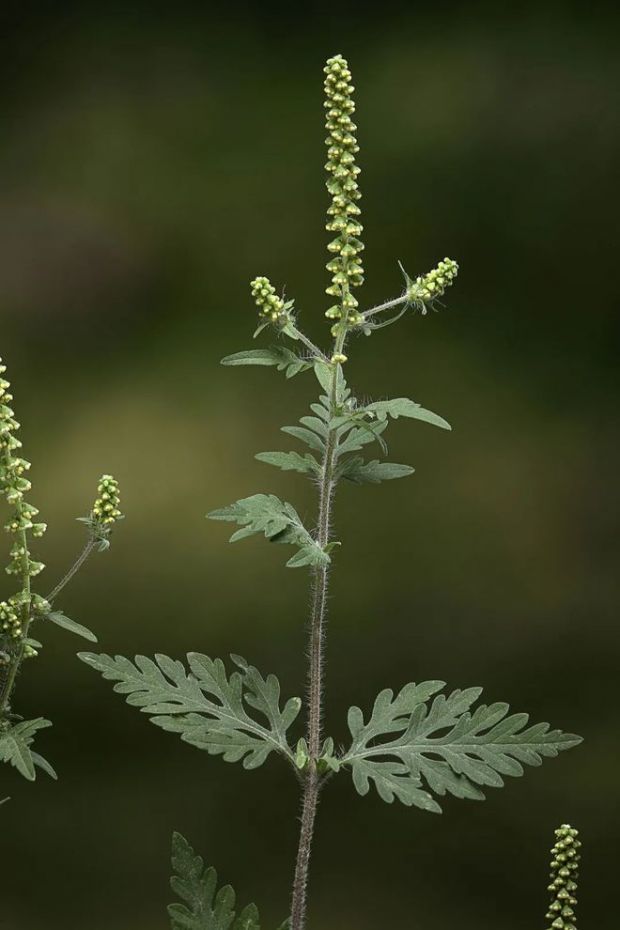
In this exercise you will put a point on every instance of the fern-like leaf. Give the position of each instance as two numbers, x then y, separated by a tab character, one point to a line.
205	706
403	407
291	461
204	907
443	745
278	521
356	470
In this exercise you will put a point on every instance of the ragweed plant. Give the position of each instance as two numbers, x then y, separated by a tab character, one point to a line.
415	745
25	610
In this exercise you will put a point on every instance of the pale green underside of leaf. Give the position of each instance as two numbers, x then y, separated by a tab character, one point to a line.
204	907
57	617
15	748
205	706
291	461
278	521
443	745
356	470
279	356
403	407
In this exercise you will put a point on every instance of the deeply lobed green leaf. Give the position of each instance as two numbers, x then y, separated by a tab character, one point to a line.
278	521
403	407
205	706
204	907
442	744
291	461
356	470
15	748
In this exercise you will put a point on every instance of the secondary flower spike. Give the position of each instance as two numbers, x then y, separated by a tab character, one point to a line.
106	509
343	214
429	287
564	874
269	304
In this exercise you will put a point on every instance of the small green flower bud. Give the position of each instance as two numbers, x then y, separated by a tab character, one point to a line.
9	618
40	604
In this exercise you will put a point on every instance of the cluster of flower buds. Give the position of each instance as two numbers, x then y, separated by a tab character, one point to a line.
21	562
343	214
10	619
564	875
271	307
106	509
429	287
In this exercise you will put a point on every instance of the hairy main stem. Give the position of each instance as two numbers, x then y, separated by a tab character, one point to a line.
311	776
315	692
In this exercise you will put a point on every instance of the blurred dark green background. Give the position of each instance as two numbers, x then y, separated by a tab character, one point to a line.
154	158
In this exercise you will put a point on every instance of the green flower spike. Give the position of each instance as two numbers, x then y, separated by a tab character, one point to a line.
15	613
564	874
427	288
346	266
106	512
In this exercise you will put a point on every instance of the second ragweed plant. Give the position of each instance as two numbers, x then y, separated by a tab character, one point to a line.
415	745
24	612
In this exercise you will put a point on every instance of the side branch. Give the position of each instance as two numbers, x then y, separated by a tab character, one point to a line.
297	334
388	305
84	555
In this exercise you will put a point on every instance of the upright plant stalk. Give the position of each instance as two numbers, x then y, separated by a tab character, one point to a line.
347	272
415	745
311	777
